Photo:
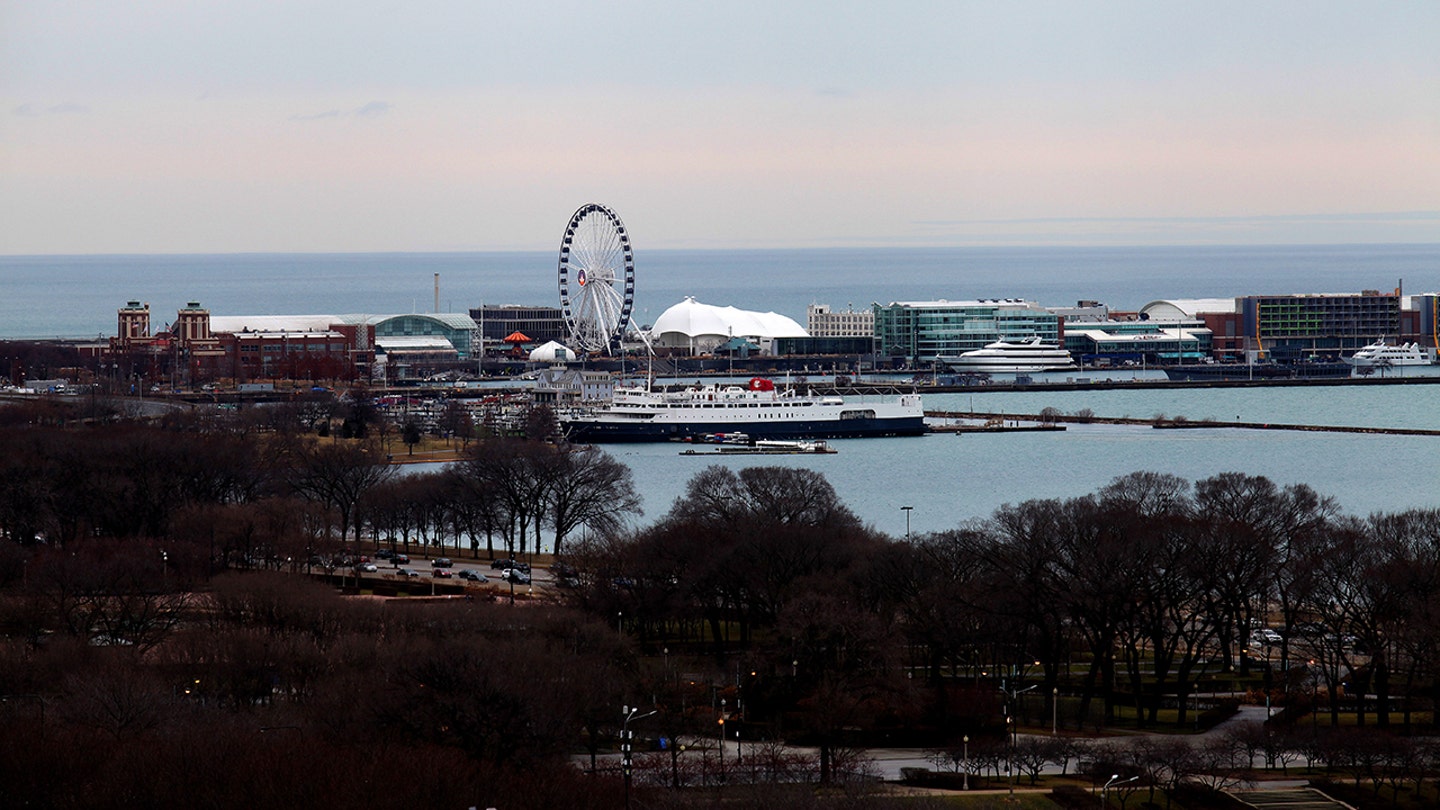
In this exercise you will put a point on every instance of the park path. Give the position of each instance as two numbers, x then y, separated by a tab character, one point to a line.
1288	799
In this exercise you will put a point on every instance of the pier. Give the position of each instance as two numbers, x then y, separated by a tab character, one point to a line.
1047	422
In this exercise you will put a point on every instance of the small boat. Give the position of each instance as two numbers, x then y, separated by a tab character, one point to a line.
767	447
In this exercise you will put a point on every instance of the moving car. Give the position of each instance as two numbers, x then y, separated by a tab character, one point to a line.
515	576
472	575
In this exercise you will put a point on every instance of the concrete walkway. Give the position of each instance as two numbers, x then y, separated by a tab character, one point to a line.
1288	799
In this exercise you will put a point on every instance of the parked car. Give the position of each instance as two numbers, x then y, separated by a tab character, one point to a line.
472	575
515	575
443	573
441	562
1260	638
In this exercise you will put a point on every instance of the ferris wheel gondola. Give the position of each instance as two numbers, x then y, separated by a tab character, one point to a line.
597	279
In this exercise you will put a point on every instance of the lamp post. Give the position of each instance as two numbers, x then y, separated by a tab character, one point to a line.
1012	700
965	757
907	510
1105	791
722	739
1054	711
626	736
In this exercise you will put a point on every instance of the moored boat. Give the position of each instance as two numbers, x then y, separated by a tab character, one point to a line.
1381	353
759	409
1003	356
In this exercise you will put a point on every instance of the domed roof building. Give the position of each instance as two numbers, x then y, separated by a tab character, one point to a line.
701	328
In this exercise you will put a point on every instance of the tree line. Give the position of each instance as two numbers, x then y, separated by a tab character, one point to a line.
136	628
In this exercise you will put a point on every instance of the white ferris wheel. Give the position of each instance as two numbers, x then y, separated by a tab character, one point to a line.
597	279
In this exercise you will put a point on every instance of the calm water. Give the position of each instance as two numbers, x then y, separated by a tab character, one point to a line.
76	296
950	479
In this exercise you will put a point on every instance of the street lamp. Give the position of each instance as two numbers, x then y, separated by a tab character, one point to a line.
907	510
1054	711
1104	791
965	757
626	736
1013	696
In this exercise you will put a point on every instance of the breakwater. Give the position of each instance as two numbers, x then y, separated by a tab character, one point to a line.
1159	423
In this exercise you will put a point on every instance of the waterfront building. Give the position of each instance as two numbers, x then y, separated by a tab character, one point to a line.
1293	327
823	322
1427	319
559	386
304	347
921	331
440	335
541	324
1143	342
863	345
198	347
696	328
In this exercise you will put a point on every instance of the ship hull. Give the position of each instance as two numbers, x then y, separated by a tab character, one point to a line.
606	430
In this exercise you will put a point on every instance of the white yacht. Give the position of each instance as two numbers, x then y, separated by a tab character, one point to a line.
1385	354
1003	356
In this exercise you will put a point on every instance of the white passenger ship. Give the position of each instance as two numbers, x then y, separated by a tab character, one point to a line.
1003	356
1385	354
759	410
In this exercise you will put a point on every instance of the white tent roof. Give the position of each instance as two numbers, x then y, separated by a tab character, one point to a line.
552	352
694	319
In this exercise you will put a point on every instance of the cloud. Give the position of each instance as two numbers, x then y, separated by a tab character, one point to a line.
54	109
373	109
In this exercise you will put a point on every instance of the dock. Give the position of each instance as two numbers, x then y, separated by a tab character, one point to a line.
1001	428
1048	422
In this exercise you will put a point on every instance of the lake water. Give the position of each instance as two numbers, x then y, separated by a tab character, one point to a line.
950	479
76	296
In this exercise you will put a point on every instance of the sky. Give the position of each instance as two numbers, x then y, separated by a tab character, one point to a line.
159	126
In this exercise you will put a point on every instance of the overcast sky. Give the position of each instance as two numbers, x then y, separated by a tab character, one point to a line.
472	125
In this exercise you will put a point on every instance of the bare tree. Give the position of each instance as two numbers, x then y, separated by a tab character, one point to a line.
591	489
338	475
